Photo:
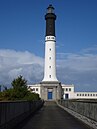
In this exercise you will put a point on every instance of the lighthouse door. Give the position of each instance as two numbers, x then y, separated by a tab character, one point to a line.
50	94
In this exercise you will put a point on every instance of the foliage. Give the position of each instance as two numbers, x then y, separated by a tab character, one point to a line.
19	83
18	91
0	96
31	96
7	94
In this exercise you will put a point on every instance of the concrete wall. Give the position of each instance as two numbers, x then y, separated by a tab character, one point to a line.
11	113
85	110
55	87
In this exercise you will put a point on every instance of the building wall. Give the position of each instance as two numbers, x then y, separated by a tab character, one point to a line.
45	90
53	88
35	89
67	92
86	95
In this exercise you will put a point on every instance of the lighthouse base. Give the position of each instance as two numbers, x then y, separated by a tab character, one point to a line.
51	90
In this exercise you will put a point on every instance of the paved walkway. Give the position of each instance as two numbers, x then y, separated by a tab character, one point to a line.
52	117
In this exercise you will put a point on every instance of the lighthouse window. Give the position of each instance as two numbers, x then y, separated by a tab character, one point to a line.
50	49
49	76
49	66
50	58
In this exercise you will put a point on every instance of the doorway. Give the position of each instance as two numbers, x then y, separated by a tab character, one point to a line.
66	96
49	95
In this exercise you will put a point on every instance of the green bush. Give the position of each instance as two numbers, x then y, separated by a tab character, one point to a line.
31	96
18	91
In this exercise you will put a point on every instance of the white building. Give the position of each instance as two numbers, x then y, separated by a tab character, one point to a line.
68	92
35	89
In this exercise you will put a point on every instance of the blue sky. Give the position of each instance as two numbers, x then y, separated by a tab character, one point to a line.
22	32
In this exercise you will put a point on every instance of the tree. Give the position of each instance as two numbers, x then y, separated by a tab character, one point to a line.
19	83
19	91
19	87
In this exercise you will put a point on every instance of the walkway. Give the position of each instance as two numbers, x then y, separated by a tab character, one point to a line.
52	117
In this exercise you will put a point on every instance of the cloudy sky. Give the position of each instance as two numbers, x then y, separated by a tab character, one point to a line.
22	32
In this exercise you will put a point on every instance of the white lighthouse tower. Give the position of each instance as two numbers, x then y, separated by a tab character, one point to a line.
50	50
50	86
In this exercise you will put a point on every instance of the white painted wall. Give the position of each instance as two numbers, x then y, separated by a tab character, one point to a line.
34	88
71	93
68	89
50	59
85	95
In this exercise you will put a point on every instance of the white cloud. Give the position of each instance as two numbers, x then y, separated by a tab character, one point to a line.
79	62
14	63
79	69
91	49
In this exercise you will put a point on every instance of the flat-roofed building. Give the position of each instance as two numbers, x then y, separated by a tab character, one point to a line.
68	92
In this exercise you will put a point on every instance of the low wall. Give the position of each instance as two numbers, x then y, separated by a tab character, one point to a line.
85	110
12	113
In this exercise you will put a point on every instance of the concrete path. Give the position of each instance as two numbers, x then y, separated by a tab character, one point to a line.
52	117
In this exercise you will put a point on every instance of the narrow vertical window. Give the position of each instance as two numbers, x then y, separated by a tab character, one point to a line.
66	89
49	58
50	49
49	76
33	89
49	66
36	89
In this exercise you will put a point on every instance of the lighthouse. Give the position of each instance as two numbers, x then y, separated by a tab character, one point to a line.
50	49
50	86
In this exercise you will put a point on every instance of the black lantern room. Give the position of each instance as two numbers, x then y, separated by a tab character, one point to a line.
50	18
